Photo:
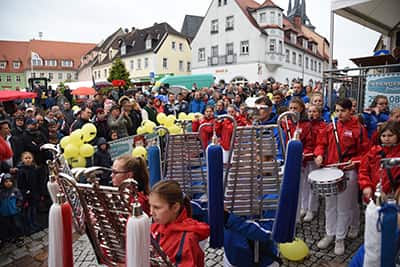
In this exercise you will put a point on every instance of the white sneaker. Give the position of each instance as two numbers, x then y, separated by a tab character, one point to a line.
302	212
353	232
339	247
325	242
309	216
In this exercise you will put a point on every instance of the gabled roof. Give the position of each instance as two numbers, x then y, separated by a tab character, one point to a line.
247	6
269	3
191	25
11	51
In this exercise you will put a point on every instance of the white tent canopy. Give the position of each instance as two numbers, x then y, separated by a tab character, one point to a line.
75	85
379	15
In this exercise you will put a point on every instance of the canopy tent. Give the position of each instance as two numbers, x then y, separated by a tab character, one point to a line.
75	85
9	95
84	91
379	15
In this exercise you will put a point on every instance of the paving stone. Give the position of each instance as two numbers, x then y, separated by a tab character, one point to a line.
38	235
19	253
42	256
5	260
35	250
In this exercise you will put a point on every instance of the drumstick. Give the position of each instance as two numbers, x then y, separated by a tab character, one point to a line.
342	163
308	154
336	138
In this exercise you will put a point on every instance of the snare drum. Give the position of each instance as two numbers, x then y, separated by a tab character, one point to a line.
327	181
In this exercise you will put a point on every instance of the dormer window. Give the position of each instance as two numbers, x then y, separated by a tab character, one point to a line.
16	64
279	19
272	18
66	63
123	49
305	43
293	38
148	43
262	17
50	62
314	48
110	53
3	64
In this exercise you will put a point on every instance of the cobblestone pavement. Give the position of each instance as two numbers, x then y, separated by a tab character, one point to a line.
34	253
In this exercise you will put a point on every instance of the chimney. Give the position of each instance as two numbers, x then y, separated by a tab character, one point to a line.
126	30
133	29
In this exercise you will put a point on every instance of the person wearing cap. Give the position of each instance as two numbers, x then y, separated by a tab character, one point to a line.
102	158
101	124
119	121
182	105
30	112
134	112
83	117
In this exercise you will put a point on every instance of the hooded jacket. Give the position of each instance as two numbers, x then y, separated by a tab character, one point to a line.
206	131
370	172
8	201
186	230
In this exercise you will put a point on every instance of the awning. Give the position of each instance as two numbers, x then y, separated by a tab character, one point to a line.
9	95
374	60
379	15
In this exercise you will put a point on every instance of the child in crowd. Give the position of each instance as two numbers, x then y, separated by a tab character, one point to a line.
378	112
103	158
370	168
31	186
206	132
177	233
10	203
317	99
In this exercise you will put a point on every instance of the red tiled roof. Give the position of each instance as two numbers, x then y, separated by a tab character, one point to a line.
11	51
272	26
245	5
269	3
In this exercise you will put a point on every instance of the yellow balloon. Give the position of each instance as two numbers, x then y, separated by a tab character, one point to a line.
161	118
149	126
78	162
140	130
139	151
75	108
89	132
175	129
71	151
182	116
64	141
161	132
86	150
294	251
191	116
270	95
76	137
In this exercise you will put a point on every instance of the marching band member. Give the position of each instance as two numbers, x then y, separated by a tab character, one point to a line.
346	142
177	233
126	167
224	130
318	99
206	131
370	168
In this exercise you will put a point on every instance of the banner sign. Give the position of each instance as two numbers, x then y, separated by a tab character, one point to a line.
387	84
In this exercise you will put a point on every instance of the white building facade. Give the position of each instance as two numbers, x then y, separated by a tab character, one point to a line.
243	41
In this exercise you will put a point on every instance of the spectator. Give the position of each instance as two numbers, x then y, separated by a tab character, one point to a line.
103	158
197	105
170	107
220	108
119	121
84	117
182	105
102	125
151	111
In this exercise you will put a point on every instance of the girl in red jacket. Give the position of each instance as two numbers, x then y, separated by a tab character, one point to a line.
297	105
342	210
224	130
370	168
206	132
177	233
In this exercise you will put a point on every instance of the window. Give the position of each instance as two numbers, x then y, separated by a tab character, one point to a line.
202	54
180	47
219	2
133	43
3	64
312	64
8	78
272	45
293	38
287	53
69	76
315	65
279	19
280	49
17	78
36	62
50	62
306	62
165	63
229	23
305	45
139	64
33	74
225	2
132	64
214	26
148	43
180	65
244	47
229	49
67	63
294	58
41	74
188	67
319	67
60	76
272	17
105	74
214	51
173	45
146	62
123	49
76	76
50	75
262	17
16	64
300	60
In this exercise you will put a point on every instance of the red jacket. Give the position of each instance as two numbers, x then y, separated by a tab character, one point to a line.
5	150
370	172
242	120
206	131
317	126
306	137
224	129
353	140
170	236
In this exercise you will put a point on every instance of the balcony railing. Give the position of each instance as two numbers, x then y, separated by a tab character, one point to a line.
222	60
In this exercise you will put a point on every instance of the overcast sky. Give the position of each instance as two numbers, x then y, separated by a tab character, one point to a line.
94	20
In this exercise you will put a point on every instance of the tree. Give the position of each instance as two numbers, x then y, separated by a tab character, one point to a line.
119	72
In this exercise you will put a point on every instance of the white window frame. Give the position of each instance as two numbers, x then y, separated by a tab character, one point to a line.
132	64
202	54
188	66
16	64
319	67
181	47
8	78
173	45
69	75
229	49
262	17
180	65
272	17
148	43
214	51
244	47
307	62
272	45
18	79
3	64
146	62
214	26
68	63
287	55
300	60
51	75
293	38
139	64
229	25
50	62
60	76
294	58
165	63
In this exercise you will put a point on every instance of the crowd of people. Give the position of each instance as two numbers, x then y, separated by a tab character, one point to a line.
359	139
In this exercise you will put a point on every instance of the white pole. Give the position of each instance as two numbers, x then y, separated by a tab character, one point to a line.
330	83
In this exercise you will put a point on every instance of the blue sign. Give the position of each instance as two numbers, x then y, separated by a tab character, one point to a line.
152	76
387	84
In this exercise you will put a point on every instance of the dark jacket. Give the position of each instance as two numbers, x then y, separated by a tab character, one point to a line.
136	118
30	183
102	158
102	129
32	141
